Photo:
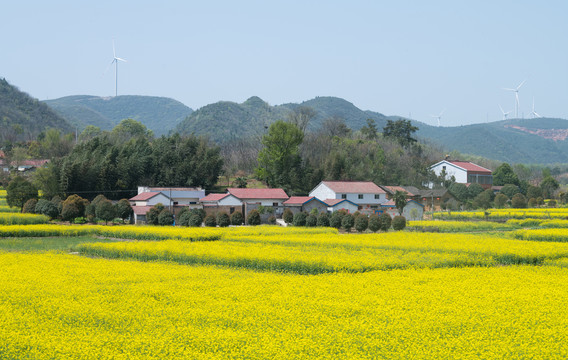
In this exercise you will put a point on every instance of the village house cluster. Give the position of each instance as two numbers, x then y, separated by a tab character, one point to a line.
365	197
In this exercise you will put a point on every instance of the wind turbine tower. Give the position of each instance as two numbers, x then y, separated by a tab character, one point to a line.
439	117
115	61
505	114
534	113
516	91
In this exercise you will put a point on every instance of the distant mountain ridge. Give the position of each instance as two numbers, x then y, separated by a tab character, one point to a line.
224	120
531	141
159	114
23	117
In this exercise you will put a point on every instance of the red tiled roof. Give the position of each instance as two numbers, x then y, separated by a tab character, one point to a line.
470	166
35	163
359	187
144	196
389	203
141	210
213	197
174	189
394	189
333	202
298	200
257	193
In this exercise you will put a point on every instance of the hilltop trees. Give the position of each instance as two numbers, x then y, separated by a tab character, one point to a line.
279	162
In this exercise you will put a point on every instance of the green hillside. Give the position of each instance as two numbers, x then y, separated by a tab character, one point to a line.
224	121
23	117
514	141
159	114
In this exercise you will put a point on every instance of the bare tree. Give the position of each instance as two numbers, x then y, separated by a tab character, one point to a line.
301	117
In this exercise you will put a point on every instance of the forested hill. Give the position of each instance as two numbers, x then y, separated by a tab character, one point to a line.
23	117
224	121
159	114
529	141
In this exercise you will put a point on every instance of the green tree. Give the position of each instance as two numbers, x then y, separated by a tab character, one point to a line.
370	130
210	220
361	223
165	218
500	200
504	174
299	219
400	201
385	221
153	214
123	209
533	192
29	206
288	216
323	220
473	190
130	128
398	223
549	185
237	218
401	130
311	220
105	210
335	220
347	222
279	162
459	191
253	218
374	223
483	200
519	201
19	191
223	219
510	190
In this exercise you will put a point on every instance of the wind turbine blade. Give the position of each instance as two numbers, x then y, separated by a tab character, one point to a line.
108	67
442	112
536	114
117	58
521	84
113	51
501	109
508	89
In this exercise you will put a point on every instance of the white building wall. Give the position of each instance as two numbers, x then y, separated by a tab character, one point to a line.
344	206
230	201
322	192
451	170
160	198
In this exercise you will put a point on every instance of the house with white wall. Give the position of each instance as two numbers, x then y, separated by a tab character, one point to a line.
173	198
215	203
412	211
298	204
253	198
464	172
365	194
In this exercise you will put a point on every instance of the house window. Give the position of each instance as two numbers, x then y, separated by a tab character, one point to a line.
175	203
377	196
275	204
444	167
231	210
193	203
359	207
344	196
374	207
360	196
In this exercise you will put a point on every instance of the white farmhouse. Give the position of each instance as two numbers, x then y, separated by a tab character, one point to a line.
464	172
365	194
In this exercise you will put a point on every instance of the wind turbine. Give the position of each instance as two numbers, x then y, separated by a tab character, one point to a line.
534	113
438	116
115	61
505	114
516	91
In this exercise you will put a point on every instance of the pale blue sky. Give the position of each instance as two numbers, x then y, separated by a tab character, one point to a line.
395	57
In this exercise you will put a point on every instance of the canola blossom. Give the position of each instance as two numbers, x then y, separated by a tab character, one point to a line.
70	307
556	235
505	214
458	226
7	209
7	218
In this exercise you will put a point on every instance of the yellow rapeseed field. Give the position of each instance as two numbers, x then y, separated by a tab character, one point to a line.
8	218
58	306
284	293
